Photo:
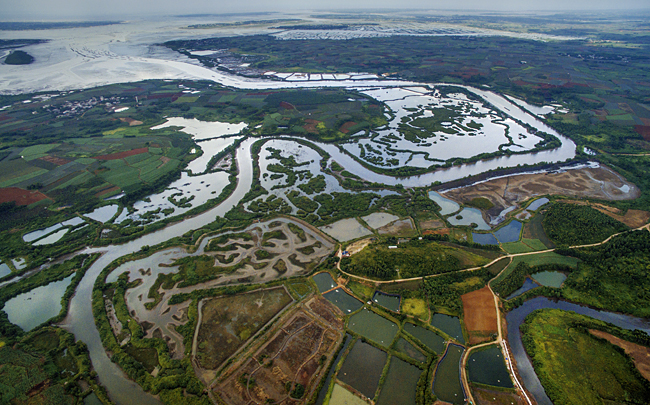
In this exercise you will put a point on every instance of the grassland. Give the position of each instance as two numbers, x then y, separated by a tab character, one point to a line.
575	367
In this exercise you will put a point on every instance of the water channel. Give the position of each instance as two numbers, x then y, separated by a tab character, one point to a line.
80	319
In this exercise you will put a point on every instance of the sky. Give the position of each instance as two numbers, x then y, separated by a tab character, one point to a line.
41	10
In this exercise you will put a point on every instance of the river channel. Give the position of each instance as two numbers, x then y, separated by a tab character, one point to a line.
517	316
80	319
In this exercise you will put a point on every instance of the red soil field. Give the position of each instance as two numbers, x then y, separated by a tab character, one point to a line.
122	155
20	196
480	315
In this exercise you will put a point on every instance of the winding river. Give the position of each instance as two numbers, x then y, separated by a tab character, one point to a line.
80	318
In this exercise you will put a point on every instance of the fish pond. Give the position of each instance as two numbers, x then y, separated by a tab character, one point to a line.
529	284
30	309
484	239
4	270
400	385
344	301
550	278
446	383
448	324
388	301
487	366
509	233
534	206
447	206
430	339
345	230
324	281
379	219
103	214
373	327
363	367
469	216
405	347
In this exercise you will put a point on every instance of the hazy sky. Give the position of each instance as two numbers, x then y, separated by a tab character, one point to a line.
79	9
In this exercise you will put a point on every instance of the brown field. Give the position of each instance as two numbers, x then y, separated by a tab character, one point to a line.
345	128
291	356
56	160
358	246
131	121
403	227
431	224
20	196
484	396
480	315
443	231
601	183
639	354
632	218
122	155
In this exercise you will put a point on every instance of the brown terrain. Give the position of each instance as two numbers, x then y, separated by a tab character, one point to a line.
431	224
480	315
20	196
122	155
485	396
601	183
639	354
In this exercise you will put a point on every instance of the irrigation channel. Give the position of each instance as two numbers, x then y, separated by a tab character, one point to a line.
80	320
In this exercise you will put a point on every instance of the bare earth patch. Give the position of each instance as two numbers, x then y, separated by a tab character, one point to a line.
632	218
480	315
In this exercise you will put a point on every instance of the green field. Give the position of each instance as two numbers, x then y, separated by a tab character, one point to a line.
571	224
577	368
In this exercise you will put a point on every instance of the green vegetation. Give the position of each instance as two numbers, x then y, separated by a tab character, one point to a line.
577	367
515	279
481	203
571	224
443	292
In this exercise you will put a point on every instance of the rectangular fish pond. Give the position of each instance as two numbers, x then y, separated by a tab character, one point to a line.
343	301
324	281
373	327
450	325
362	368
388	301
430	339
484	239
405	347
487	366
446	383
400	385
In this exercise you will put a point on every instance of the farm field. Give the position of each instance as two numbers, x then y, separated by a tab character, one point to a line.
479	315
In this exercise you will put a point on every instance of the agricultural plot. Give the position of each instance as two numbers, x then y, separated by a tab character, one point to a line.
479	315
228	322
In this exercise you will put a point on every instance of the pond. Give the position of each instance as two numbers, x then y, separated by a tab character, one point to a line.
401	383
30	309
4	270
446	383
345	230
388	301
469	216
52	238
379	219
487	366
537	203
484	239
210	148
447	206
323	391
550	278
448	324
405	347
515	318
528	285
373	327
430	339
92	399
202	129
32	236
509	233
103	214
344	301
363	367
324	281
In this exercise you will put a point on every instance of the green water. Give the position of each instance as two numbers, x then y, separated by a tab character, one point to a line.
430	339
387	301
405	347
92	400
323	391
446	383
550	278
362	368
448	324
373	327
324	281
344	301
400	385
487	366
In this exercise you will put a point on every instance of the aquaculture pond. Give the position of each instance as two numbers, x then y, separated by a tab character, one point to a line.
4	270
103	214
447	206
529	284
374	327
469	216
400	385
324	281
32	236
30	309
448	324
509	233
379	219
487	366
446	383
345	230
405	347
429	338
323	391
484	239
537	203
550	278
387	301
363	367
344	301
